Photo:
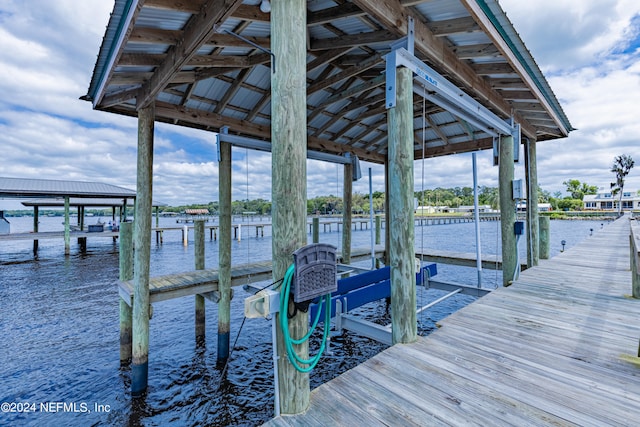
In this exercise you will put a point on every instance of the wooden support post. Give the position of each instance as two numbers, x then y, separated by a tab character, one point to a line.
36	220
531	172
635	277
198	231
289	152
224	251
507	210
378	227
157	216
404	327
544	223
67	236
185	235
126	273
315	233
347	206
142	244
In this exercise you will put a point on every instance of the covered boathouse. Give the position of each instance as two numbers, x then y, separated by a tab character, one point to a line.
387	81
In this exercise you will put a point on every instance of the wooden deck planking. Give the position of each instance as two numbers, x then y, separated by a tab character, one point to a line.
546	351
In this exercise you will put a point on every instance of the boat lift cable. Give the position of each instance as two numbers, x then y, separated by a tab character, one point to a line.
296	360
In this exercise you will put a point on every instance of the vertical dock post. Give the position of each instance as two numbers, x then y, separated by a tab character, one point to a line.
531	172
315	227
224	251
142	237
198	231
404	326
289	152
185	235
126	273
378	227
507	210
347	198
67	236
36	220
544	223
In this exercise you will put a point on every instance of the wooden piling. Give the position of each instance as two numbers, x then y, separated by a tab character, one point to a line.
544	224
36	220
142	239
378	227
200	313
507	210
224	251
67	228
315	227
400	223
289	151
126	273
531	173
347	198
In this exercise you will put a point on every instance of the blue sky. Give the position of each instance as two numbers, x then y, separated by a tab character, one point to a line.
587	49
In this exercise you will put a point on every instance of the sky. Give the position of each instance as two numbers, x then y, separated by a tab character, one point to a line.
587	49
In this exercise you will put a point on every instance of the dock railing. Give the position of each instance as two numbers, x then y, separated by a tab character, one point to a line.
634	238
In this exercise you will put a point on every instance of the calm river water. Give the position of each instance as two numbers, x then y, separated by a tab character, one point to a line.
59	358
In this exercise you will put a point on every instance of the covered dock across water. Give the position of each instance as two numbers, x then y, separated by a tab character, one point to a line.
388	82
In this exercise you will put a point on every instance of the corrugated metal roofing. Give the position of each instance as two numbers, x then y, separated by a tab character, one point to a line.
473	45
19	187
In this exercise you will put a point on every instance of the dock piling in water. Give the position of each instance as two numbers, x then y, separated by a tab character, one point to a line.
200	313
126	273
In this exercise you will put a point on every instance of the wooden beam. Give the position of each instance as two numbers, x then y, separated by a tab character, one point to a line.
244	12
448	27
331	14
353	40
344	74
476	51
198	29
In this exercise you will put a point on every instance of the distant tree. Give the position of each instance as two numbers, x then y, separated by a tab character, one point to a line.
621	167
578	189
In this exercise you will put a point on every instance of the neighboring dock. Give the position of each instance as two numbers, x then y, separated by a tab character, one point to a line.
558	347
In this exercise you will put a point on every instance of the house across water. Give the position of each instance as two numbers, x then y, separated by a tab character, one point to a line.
606	200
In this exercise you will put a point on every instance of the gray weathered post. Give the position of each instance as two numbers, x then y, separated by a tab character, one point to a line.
35	229
126	273
315	229
507	210
67	236
404	325
544	223
142	244
200	313
289	152
224	250
531	172
378	226
347	205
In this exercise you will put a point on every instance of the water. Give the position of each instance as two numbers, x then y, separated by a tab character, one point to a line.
60	336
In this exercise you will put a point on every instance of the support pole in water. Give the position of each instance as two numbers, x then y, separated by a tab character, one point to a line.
185	235
35	229
533	230
544	223
142	256
507	209
373	248
224	250
315	227
347	197
67	237
126	273
476	216
198	231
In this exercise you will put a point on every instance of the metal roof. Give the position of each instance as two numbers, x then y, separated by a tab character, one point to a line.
222	80
81	201
19	187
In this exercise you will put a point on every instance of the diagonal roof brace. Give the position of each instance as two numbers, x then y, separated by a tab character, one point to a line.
443	93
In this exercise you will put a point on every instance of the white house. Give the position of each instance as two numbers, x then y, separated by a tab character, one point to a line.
605	200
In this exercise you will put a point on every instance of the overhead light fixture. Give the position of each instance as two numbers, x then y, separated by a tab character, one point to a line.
265	6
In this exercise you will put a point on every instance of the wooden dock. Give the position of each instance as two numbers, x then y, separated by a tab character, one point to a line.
558	347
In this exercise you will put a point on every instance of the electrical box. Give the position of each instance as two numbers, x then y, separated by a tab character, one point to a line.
518	228
315	275
518	189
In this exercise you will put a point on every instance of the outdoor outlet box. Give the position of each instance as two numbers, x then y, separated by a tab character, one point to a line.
518	228
518	192
262	304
